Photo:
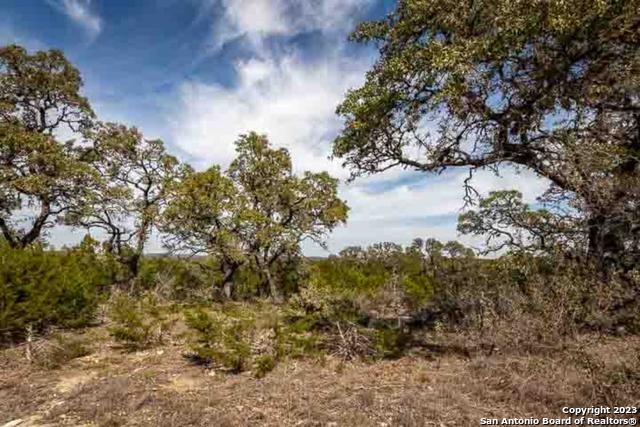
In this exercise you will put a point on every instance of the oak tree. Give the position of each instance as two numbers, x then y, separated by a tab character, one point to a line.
40	177
134	176
284	209
256	215
204	217
41	91
551	86
507	222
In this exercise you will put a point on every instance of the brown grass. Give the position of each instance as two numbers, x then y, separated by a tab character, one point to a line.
437	385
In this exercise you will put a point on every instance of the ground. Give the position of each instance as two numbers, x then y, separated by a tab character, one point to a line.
433	385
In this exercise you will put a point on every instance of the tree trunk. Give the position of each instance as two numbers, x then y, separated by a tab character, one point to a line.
227	281
594	225
131	264
274	293
227	289
8	236
36	229
605	241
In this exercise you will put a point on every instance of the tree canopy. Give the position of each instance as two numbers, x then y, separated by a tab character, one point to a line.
258	212
112	179
203	217
506	222
134	174
40	177
41	91
549	85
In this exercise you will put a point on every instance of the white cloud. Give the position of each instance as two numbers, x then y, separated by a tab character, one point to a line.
427	208
258	19
291	101
81	13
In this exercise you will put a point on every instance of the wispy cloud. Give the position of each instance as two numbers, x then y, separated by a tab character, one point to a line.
291	100
292	97
289	68
259	19
80	12
429	207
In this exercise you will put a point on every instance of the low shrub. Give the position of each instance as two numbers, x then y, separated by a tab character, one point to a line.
137	322
176	279
238	337
263	365
317	305
344	326
390	342
40	288
298	344
220	339
609	381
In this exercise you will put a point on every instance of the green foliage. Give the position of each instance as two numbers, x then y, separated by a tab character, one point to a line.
503	82
204	216
329	320
238	337
39	95
390	343
378	270
317	305
220	340
538	297
255	216
299	341
40	288
507	222
263	365
518	297
133	176
38	173
175	279
419	288
510	82
137	323
41	90
339	274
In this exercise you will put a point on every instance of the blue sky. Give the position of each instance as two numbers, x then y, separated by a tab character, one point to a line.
197	73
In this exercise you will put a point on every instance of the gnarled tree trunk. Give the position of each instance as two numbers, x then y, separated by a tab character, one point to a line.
228	272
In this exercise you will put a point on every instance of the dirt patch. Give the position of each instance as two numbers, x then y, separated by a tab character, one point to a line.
162	387
31	421
70	382
183	383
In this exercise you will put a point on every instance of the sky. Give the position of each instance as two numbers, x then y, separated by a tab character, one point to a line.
198	73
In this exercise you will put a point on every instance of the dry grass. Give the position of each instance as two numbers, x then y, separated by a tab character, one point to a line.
438	385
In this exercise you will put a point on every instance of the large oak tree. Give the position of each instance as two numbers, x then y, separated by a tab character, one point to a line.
552	86
134	174
203	218
257	214
40	176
